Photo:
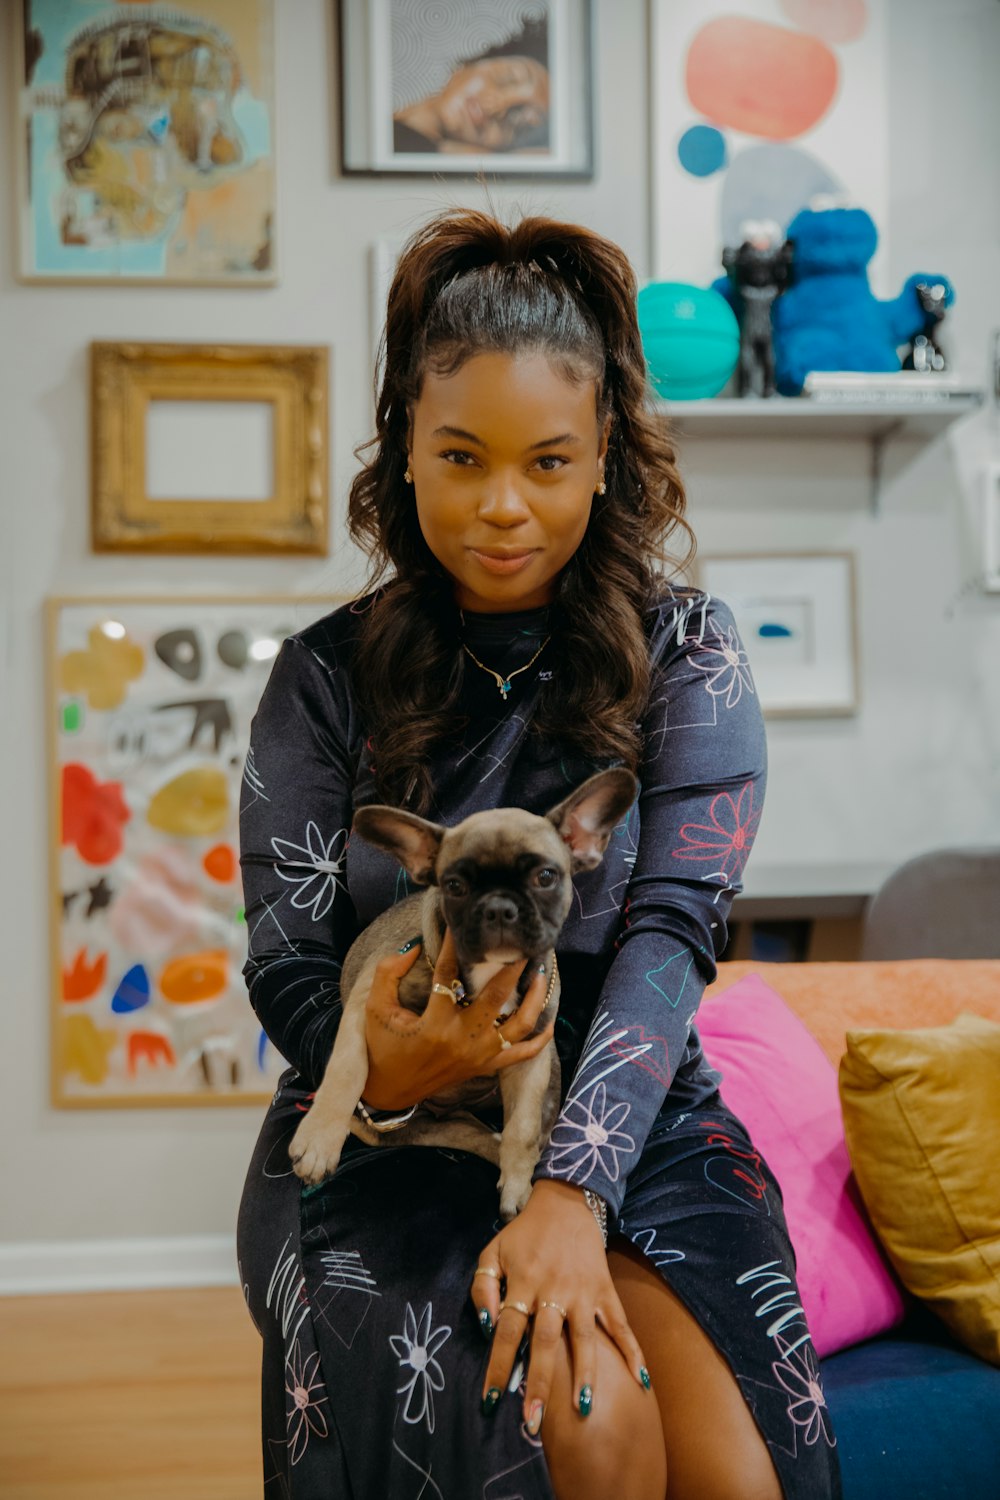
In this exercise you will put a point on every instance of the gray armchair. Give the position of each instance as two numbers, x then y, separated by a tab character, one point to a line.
944	904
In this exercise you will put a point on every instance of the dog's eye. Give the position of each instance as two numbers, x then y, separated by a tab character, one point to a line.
546	878
455	886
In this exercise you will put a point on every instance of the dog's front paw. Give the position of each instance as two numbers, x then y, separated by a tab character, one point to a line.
515	1190
315	1149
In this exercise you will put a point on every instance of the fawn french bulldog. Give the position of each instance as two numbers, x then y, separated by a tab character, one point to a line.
501	881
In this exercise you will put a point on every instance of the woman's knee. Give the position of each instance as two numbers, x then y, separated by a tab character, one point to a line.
618	1448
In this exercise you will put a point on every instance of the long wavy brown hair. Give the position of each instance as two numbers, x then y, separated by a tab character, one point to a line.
465	284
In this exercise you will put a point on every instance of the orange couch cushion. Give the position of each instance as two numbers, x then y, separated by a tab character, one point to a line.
834	998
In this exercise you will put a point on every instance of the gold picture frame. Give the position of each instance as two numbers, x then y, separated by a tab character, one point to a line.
292	379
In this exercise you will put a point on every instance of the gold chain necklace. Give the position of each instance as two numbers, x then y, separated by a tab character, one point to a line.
503	683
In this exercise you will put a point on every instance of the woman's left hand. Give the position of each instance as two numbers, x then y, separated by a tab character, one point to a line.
555	1266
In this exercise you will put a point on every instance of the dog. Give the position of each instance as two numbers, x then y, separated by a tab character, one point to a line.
501	882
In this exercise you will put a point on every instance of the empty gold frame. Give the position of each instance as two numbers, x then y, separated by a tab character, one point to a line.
126	378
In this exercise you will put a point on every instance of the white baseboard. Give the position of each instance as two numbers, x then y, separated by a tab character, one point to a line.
117	1265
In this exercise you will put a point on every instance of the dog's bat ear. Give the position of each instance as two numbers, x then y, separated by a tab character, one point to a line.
411	840
586	818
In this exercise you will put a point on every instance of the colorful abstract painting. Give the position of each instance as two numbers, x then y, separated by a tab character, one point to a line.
147	141
760	107
150	710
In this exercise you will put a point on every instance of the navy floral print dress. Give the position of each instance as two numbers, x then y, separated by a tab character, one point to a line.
373	1359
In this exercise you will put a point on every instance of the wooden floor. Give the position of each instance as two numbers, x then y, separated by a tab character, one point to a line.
129	1396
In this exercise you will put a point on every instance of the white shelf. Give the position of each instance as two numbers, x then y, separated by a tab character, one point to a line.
780	417
802	417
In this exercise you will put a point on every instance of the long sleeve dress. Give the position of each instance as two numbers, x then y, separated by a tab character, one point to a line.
372	1356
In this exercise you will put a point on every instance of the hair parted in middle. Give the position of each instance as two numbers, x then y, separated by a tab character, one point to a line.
467	284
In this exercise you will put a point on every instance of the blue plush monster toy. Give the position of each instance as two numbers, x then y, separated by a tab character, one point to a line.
828	318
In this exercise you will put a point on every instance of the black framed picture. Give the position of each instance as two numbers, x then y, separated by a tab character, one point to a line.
467	86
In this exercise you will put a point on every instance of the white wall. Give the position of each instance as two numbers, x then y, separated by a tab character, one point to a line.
921	764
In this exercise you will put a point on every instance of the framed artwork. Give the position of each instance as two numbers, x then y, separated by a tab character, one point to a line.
797	616
467	86
149	709
757	108
991	528
209	447
145	142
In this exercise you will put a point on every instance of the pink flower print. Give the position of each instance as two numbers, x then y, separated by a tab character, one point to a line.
727	667
798	1373
728	835
586	1137
304	1415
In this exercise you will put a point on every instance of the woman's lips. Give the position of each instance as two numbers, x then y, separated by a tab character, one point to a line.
502	562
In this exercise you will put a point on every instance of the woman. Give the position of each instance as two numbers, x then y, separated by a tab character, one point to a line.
519	490
495	101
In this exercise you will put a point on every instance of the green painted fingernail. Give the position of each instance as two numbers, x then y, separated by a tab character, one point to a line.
586	1400
644	1377
486	1323
407	947
490	1401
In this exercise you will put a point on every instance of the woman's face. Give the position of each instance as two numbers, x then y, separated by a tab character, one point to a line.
494	103
505	455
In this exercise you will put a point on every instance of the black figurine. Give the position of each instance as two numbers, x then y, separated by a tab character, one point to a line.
757	272
924	353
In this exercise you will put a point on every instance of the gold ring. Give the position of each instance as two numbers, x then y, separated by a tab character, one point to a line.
502	1040
486	1271
517	1306
558	1307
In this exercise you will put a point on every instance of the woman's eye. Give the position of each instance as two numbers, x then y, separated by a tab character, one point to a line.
546	878
551	458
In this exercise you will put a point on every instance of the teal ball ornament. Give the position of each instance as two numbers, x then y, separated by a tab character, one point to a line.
690	337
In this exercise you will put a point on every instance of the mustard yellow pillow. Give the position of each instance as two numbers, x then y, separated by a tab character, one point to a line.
922	1122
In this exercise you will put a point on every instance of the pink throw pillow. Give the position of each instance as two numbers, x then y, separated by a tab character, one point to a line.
781	1084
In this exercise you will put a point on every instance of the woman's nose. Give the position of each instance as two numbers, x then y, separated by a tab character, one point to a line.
501	503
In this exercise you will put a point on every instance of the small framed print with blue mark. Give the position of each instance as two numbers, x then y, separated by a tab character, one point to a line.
797	616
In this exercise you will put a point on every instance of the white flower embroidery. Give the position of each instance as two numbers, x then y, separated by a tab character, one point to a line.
318	888
586	1137
415	1348
304	1414
798	1372
727	666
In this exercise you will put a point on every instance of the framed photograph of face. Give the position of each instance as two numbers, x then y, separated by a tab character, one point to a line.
145	142
797	616
149	709
467	86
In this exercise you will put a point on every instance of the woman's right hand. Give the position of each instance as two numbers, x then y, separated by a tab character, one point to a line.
412	1057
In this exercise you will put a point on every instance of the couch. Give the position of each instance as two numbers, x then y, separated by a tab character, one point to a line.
916	1414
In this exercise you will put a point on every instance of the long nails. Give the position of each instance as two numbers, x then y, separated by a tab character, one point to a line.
486	1323
535	1417
408	947
490	1401
586	1400
644	1377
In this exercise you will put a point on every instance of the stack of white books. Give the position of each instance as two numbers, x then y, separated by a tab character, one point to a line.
906	387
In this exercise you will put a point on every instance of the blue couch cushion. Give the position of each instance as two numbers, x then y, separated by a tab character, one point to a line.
915	1417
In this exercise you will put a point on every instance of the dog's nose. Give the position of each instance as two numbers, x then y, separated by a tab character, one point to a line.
498	909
